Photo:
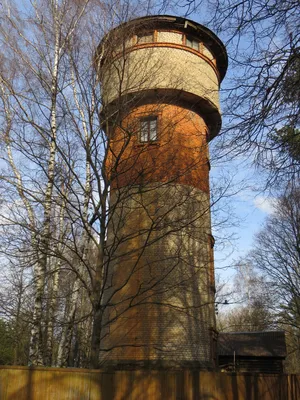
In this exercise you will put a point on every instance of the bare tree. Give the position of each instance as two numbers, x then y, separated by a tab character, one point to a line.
248	308
262	94
276	255
63	174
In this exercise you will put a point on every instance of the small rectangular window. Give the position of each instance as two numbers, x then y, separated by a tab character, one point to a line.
145	38
148	131
194	44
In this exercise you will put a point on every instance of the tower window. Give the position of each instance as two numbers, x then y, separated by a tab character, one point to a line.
145	37
148	131
190	42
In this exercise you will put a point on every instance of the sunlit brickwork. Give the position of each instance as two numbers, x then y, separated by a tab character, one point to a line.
160	78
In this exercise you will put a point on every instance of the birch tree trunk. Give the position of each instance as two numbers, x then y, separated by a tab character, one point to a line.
67	332
66	337
35	351
57	104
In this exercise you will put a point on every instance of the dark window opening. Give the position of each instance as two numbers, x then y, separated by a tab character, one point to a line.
194	44
145	37
148	132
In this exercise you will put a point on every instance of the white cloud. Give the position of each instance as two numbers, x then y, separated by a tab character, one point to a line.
265	204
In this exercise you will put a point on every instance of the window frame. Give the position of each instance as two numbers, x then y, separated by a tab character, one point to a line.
141	35
193	41
147	134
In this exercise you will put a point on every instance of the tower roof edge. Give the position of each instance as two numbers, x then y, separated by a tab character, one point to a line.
182	24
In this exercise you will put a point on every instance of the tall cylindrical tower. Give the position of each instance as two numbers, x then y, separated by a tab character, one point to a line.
160	77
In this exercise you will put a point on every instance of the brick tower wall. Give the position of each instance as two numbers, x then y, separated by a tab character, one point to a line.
159	297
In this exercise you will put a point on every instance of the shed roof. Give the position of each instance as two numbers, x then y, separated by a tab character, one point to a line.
252	344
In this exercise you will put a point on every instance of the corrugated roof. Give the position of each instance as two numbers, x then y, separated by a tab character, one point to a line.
252	344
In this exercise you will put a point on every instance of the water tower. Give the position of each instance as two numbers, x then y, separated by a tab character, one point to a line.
160	78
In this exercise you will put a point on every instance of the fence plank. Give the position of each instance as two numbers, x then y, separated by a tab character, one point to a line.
25	383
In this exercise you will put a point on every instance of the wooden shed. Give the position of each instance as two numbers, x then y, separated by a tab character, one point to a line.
260	352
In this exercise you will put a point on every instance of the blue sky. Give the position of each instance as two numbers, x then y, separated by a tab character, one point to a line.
250	205
248	209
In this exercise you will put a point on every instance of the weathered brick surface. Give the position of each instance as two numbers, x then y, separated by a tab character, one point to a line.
164	305
159	237
160	286
161	67
169	37
180	154
207	53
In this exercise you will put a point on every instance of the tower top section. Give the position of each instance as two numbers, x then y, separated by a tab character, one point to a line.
162	59
172	23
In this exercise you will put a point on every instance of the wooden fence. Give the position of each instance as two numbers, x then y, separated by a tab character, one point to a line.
24	383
